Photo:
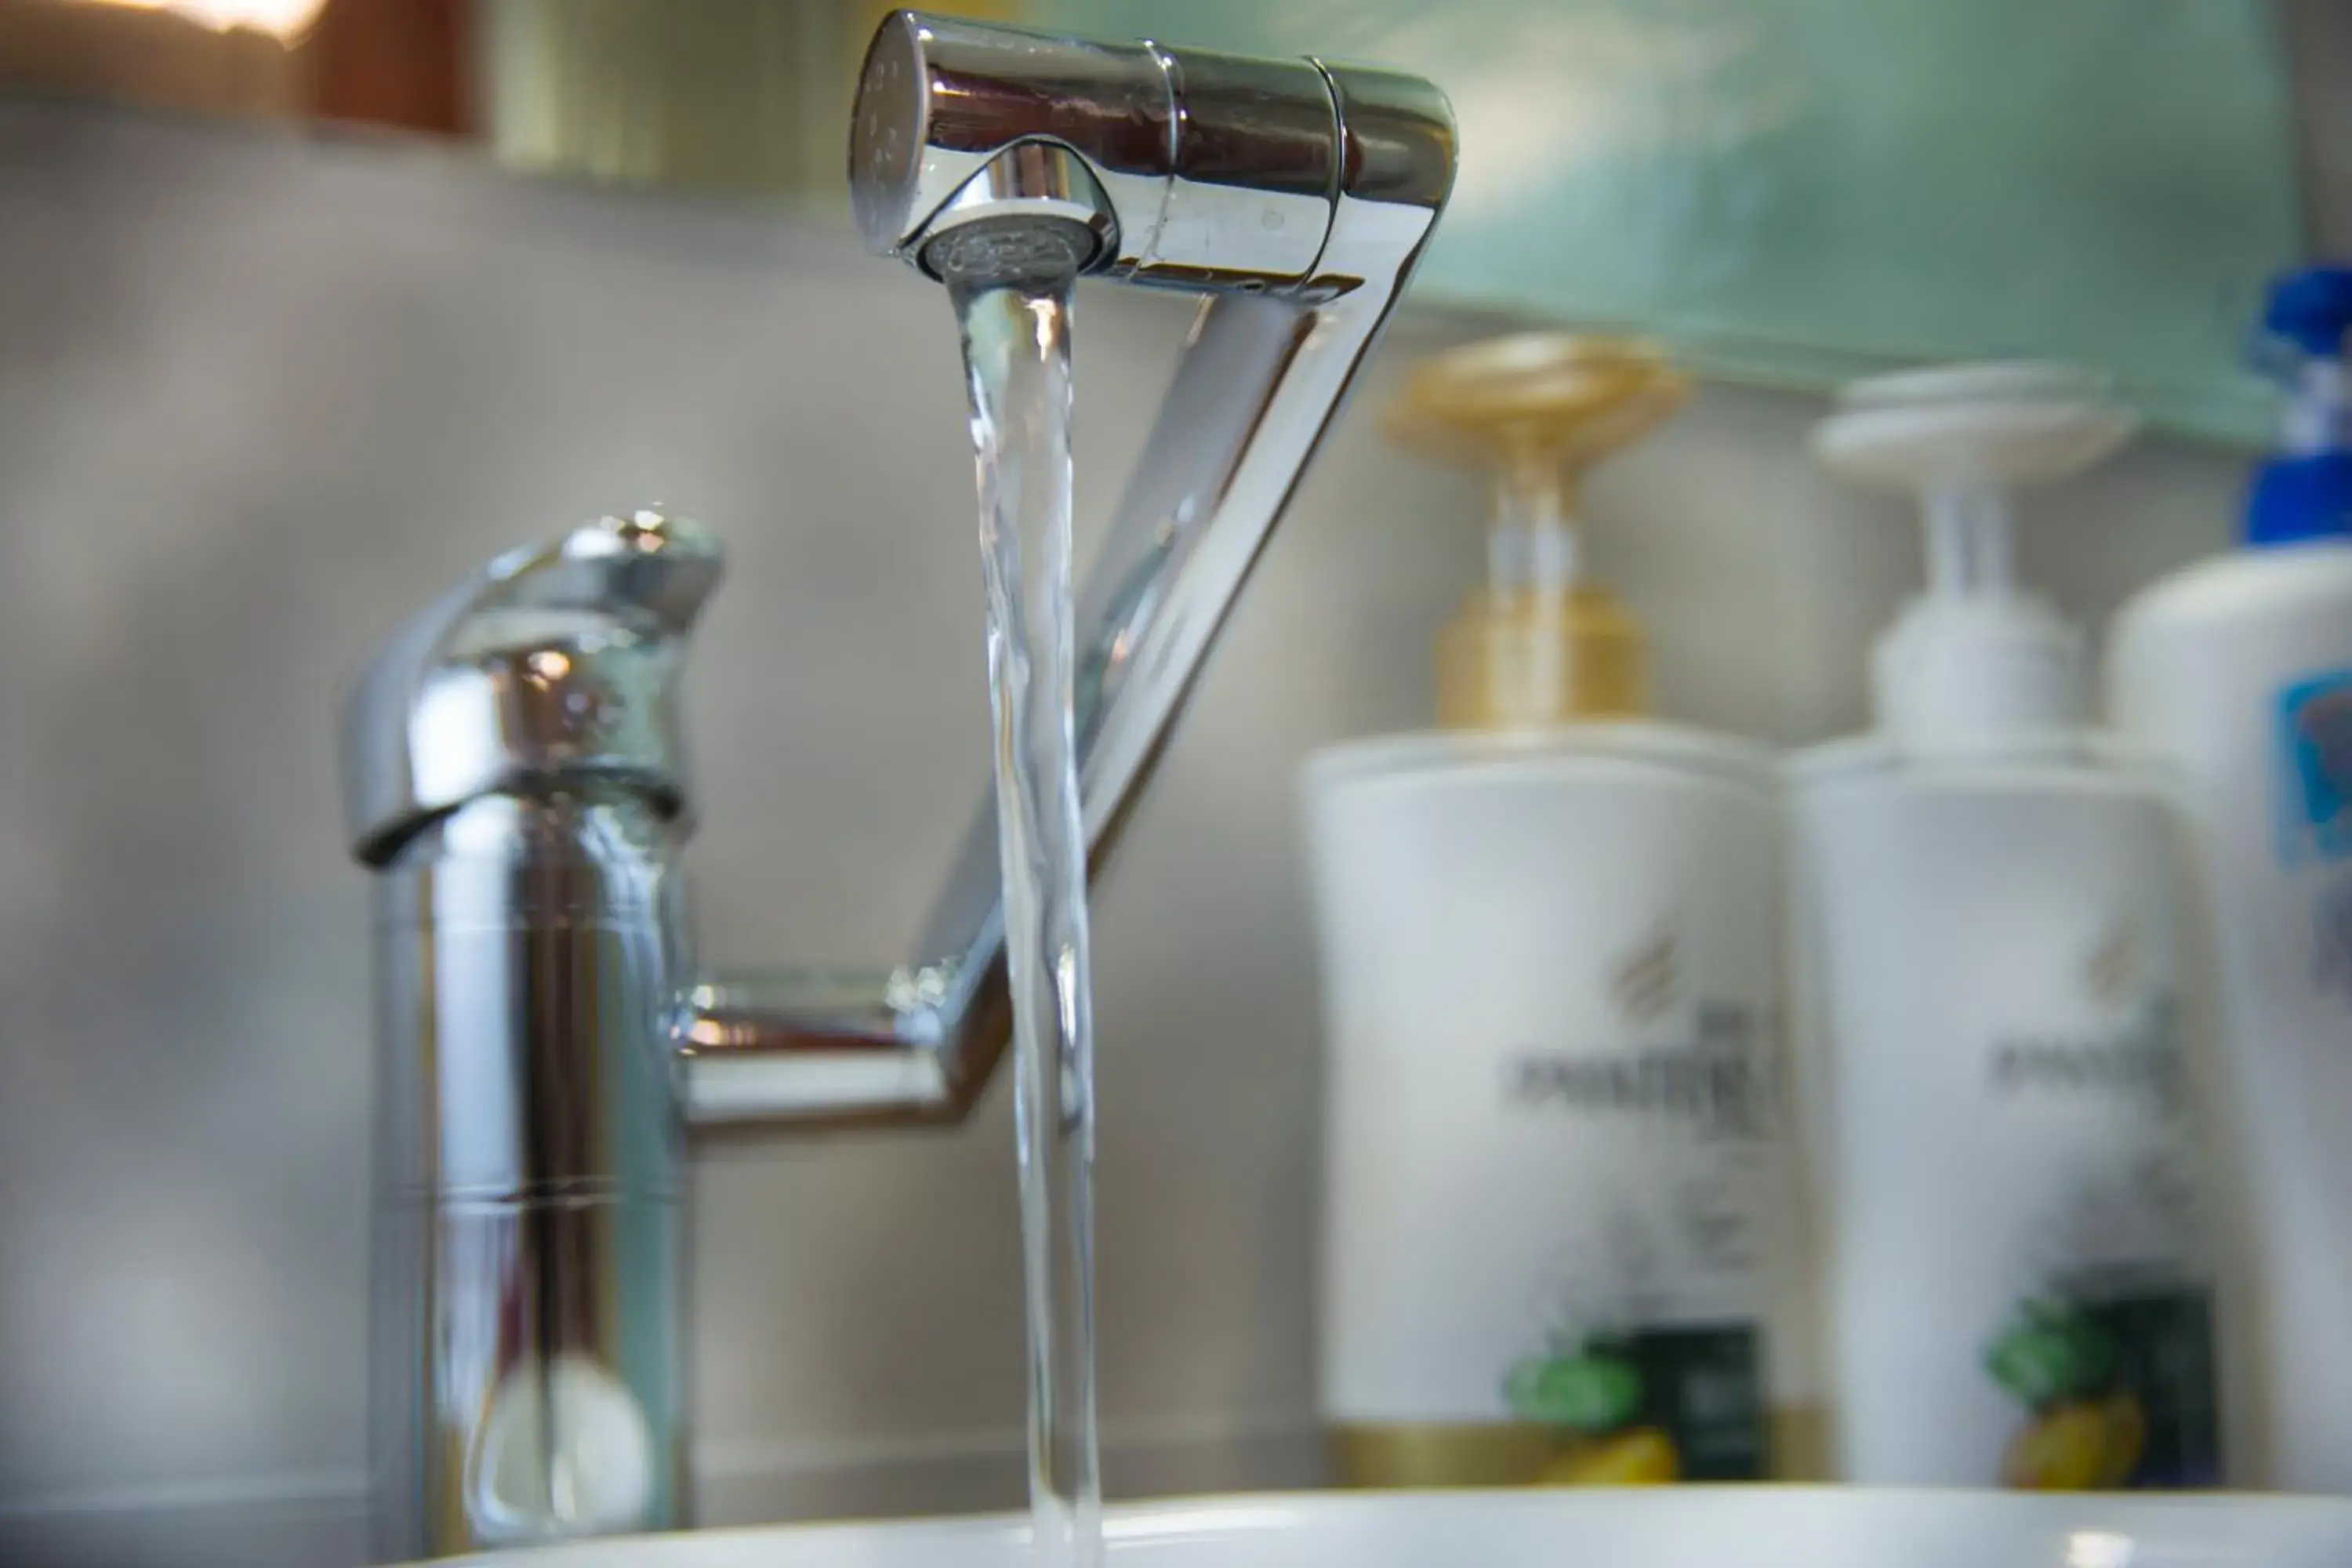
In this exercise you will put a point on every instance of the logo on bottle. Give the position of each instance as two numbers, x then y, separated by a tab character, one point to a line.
2111	971
1648	981
1715	1069
2141	1058
2315	740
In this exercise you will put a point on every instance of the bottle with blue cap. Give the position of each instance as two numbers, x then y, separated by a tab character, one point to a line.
2239	668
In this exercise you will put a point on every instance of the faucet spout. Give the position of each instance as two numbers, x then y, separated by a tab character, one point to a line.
1297	196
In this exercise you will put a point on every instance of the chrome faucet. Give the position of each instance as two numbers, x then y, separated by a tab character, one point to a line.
514	773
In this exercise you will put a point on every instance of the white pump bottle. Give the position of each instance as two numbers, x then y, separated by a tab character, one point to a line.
1557	1200
1997	980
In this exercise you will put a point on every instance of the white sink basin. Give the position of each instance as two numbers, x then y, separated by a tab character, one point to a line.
1691	1527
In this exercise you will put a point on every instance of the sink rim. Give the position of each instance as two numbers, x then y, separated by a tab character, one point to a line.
1703	1508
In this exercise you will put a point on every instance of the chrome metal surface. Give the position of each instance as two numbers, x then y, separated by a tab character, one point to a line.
1215	169
1298	196
514	772
530	1237
554	658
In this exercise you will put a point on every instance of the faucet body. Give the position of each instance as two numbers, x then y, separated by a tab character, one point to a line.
515	777
528	1316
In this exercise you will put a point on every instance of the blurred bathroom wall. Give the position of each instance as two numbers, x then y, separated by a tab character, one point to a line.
260	396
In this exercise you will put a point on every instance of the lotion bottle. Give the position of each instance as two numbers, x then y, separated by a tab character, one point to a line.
2239	671
1556	1202
1999	967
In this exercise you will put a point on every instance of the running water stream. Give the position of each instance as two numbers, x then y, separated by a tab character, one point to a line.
1010	282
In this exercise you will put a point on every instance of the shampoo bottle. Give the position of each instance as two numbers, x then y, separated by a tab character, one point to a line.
2239	670
2000	970
1556	1206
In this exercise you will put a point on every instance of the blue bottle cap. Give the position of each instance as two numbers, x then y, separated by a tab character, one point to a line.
2304	494
2298	498
2312	309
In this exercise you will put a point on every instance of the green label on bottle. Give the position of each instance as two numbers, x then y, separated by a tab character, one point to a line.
2117	1385
1649	1405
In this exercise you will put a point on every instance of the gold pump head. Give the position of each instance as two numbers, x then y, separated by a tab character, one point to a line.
1537	645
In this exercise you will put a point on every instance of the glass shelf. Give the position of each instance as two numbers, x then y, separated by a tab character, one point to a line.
1797	191
1790	192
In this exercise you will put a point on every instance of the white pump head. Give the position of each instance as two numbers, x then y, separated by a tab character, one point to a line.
1973	661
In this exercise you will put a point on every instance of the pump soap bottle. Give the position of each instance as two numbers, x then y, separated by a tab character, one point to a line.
2238	670
1999	984
1557	1198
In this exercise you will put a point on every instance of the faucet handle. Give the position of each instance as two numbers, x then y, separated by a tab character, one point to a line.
556	662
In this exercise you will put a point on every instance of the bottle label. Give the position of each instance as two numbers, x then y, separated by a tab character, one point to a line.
2111	1357
2115	1382
2108	1363
2019	1266
1646	1365
2315	816
2315	741
1557	1187
1626	1407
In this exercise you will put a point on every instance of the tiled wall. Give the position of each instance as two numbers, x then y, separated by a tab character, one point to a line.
259	398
